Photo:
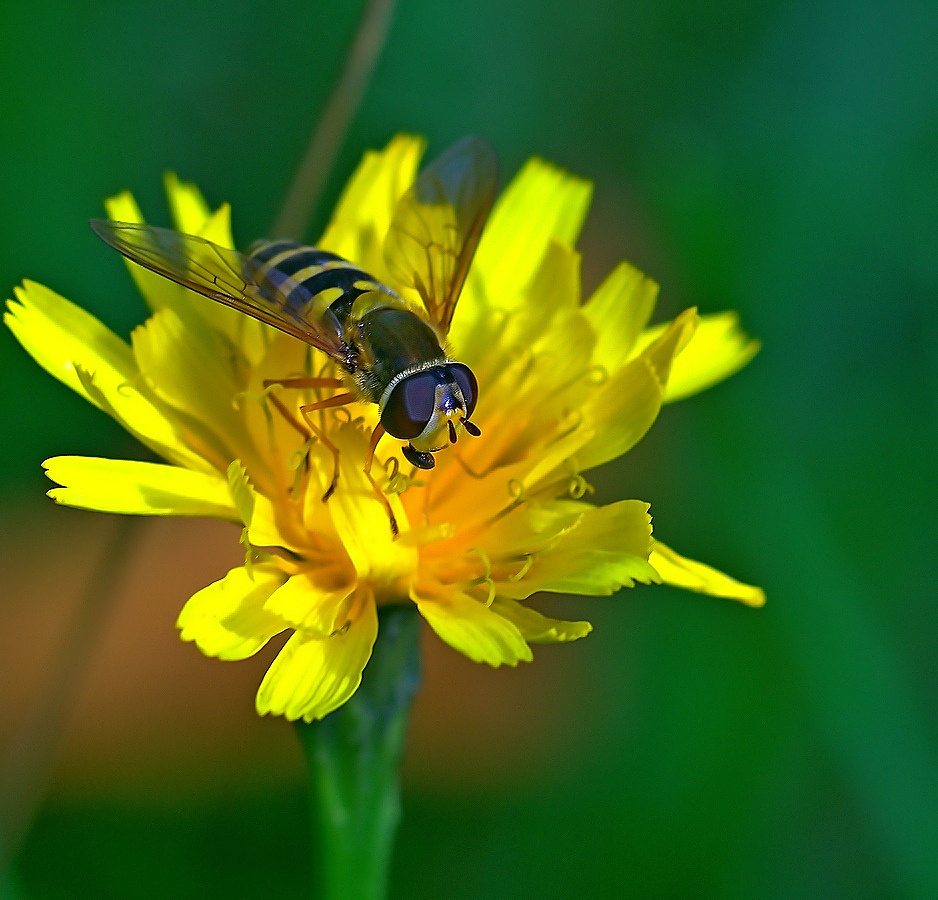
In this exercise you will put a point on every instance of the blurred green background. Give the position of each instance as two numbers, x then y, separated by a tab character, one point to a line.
778	158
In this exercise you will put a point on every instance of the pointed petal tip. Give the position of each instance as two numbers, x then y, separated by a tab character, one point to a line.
691	575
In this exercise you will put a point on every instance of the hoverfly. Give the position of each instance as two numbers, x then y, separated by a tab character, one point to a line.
390	352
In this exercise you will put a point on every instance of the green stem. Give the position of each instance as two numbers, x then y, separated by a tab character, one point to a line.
353	756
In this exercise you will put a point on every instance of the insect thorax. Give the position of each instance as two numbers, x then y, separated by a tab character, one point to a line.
382	335
391	341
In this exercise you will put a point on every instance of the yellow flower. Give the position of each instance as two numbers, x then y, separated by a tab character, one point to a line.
564	386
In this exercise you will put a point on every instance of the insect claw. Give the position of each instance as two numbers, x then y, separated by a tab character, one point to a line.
376	436
335	470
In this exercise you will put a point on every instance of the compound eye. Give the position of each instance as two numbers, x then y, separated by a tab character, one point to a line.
467	384
410	406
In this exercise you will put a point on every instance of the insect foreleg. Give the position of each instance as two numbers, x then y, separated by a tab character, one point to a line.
376	436
295	423
280	406
304	382
306	409
337	400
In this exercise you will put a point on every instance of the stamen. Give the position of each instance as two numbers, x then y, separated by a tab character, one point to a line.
579	487
597	375
486	564
517	491
528	562
486	578
396	481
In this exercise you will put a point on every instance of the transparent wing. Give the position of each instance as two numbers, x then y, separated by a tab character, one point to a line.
438	223
215	272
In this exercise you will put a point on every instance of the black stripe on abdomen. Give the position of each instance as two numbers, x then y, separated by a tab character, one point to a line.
290	258
292	262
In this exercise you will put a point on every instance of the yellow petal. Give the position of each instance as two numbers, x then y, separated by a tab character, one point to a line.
192	215
277	525
605	549
217	228
360	519
315	601
473	629
227	619
619	310
542	204
536	628
487	340
242	491
78	350
555	288
248	334
312	676
538	425
187	206
718	349
623	410
60	336
532	527
123	208
148	420
363	214
189	369
156	290
140	488
696	576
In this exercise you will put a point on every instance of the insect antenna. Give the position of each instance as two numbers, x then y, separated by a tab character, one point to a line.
471	427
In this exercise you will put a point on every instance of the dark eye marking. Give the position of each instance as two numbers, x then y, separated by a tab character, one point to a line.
467	385
410	405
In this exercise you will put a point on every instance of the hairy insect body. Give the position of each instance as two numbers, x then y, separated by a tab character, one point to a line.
382	336
312	284
391	355
391	342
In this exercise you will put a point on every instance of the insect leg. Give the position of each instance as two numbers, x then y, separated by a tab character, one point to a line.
376	436
312	430
328	403
304	382
337	400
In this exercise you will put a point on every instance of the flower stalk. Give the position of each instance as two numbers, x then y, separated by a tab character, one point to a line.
353	756
326	139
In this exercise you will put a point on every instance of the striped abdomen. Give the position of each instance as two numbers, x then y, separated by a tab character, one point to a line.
316	285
